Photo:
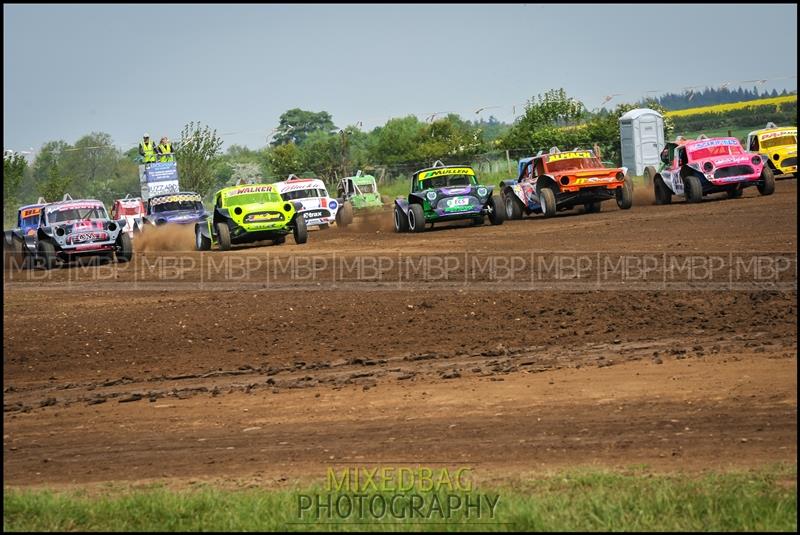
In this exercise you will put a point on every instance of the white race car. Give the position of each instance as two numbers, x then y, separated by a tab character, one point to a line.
310	197
132	210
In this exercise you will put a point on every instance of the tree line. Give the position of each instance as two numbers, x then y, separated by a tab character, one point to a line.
310	143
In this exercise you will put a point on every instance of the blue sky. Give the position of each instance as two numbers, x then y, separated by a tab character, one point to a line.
71	70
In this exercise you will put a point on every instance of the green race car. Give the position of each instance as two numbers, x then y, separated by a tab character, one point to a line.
445	193
361	191
249	213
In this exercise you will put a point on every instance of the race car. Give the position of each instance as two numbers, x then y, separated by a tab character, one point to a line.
183	208
549	183
23	237
445	193
249	213
132	210
778	146
56	233
696	168
310	198
361	191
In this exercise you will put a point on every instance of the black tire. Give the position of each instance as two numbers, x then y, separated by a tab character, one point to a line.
735	192
662	192
547	199
280	240
46	252
201	243
223	236
649	174
692	189
767	184
400	220
496	211
344	216
124	251
416	218
625	195
300	231
513	206
592	207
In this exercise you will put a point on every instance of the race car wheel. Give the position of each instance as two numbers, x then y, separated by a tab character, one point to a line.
223	236
344	216
496	211
300	231
548	201
663	195
767	184
625	195
46	253
692	189
649	174
202	243
124	247
513	206
280	240
735	192
416	218
400	220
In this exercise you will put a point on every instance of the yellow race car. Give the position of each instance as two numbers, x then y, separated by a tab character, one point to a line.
778	146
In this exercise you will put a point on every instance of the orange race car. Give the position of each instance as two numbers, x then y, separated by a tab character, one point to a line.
548	183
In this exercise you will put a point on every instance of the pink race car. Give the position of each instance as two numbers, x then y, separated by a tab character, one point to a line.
696	168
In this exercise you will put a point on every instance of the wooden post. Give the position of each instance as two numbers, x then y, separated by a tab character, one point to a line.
508	160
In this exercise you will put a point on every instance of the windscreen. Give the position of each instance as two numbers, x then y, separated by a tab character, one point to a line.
303	194
177	205
259	197
76	213
446	177
714	148
779	141
566	161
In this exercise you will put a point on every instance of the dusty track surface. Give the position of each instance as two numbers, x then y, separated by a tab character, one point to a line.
269	364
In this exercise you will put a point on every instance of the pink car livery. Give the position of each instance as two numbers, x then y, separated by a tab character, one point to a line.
700	167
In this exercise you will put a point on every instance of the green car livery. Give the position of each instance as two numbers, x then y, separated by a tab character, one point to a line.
249	213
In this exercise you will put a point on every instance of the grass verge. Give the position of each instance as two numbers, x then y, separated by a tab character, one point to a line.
572	501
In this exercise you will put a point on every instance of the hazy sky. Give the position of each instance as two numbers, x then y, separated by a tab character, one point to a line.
71	70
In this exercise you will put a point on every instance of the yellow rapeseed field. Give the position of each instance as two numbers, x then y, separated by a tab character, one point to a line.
722	108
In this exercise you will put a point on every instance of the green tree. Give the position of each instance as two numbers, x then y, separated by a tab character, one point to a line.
553	108
397	141
295	126
449	138
92	164
196	155
284	159
55	185
322	154
14	167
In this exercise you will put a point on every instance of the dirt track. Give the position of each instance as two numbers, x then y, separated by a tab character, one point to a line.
173	368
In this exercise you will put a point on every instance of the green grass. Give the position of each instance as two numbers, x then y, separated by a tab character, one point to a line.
578	500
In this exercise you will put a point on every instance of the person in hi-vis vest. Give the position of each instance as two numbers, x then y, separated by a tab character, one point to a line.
164	150
147	149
